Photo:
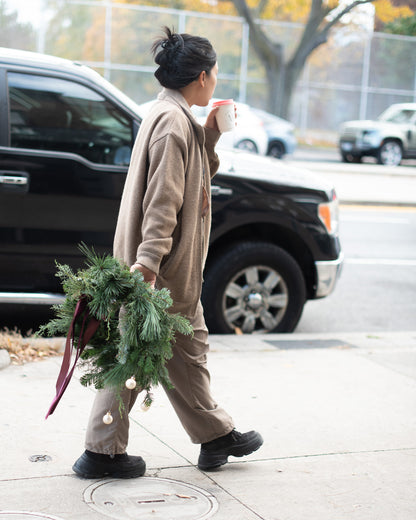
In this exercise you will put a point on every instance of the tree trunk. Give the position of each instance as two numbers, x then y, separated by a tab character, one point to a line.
274	77
292	72
281	84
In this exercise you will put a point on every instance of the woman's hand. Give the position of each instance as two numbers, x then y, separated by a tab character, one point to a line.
148	275
211	122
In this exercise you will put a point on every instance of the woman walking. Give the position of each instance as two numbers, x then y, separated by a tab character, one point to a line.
163	231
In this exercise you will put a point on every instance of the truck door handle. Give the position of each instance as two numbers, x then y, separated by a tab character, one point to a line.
15	178
13	181
217	190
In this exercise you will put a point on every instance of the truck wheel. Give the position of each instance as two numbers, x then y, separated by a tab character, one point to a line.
253	287
390	153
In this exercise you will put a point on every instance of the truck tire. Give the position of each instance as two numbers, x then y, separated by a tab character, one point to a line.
253	287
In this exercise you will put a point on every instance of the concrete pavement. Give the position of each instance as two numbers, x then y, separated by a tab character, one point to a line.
337	412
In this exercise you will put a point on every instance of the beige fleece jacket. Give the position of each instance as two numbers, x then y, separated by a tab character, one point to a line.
160	223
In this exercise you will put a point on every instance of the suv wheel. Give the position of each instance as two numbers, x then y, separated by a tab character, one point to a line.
247	145
390	153
254	287
276	149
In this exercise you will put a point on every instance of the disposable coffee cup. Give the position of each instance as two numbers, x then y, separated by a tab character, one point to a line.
225	116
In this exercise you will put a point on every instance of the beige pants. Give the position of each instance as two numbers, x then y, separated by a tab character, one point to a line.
191	398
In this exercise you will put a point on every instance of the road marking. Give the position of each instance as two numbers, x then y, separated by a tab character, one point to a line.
380	261
374	220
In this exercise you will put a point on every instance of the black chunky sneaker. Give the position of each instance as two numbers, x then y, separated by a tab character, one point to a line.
215	453
98	465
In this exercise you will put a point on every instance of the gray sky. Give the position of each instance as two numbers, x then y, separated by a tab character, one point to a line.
28	10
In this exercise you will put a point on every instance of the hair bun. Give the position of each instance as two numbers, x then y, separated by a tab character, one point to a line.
173	42
168	48
181	58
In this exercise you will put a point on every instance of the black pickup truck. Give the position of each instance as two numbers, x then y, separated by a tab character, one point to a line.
65	140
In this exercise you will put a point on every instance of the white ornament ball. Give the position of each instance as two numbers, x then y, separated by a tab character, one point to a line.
131	383
108	418
147	403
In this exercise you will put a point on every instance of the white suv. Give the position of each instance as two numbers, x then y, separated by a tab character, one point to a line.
391	138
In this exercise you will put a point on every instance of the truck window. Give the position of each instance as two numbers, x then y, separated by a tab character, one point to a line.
48	113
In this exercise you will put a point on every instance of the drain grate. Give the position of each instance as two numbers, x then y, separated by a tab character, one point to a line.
25	515
150	498
40	458
306	344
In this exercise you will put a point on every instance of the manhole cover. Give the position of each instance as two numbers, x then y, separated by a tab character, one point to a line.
25	515
150	498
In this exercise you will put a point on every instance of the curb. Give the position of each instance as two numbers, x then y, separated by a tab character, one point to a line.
56	344
378	203
372	170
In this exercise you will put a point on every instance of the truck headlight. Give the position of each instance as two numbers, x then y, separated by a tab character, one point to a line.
329	214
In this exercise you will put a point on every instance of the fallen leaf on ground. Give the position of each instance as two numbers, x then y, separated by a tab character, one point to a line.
25	349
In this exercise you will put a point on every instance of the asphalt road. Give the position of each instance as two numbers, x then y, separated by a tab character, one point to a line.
377	288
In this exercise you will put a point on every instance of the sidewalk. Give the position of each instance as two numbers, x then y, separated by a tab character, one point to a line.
337	412
363	183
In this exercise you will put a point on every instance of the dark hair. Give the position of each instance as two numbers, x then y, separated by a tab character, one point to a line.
182	58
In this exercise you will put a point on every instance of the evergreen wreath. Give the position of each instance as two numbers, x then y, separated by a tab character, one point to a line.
134	330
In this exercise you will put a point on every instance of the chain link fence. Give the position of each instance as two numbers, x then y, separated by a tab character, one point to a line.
356	75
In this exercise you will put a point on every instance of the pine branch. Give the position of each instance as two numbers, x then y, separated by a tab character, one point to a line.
136	331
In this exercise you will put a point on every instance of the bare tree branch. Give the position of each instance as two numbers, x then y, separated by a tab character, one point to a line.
269	50
282	75
342	13
313	37
261	7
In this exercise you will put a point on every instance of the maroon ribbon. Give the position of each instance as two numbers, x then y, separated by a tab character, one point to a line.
88	329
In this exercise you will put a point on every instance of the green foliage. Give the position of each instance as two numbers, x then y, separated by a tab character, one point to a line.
136	331
405	26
